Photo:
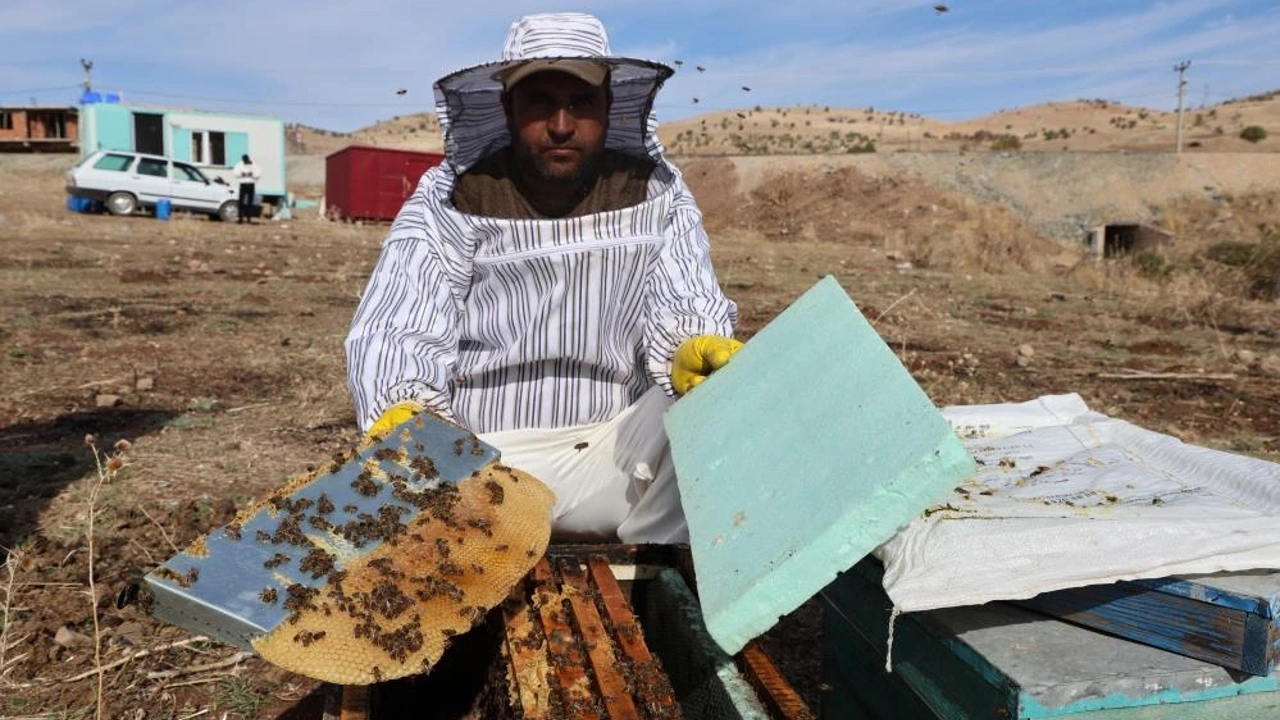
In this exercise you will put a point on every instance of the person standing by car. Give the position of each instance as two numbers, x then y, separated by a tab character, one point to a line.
246	174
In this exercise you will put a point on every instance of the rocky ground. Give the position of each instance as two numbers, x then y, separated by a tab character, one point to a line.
215	350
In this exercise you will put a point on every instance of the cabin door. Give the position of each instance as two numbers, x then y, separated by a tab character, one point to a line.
148	133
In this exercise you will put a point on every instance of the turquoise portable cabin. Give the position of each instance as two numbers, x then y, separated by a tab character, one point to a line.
211	141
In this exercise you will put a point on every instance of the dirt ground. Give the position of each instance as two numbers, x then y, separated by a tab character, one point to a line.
215	350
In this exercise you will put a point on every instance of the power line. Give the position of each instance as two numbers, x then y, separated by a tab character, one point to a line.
38	90
292	103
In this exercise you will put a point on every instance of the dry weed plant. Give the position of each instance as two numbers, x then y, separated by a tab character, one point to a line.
108	466
1192	294
15	559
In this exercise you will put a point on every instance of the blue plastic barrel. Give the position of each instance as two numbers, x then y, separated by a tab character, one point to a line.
163	209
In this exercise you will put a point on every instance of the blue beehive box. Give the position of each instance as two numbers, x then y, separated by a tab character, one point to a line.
1001	661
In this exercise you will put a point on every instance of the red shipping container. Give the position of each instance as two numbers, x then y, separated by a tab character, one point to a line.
371	183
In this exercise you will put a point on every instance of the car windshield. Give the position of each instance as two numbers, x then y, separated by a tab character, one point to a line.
186	172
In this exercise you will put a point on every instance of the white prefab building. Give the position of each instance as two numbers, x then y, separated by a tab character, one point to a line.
212	141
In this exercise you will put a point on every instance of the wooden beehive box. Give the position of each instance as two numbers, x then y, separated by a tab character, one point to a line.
611	632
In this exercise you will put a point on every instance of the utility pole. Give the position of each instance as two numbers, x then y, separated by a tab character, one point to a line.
88	74
1181	69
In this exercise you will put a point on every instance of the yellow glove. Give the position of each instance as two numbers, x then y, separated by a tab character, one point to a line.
698	357
392	417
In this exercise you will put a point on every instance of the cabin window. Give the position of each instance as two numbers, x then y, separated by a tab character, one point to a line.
208	147
217	148
6	120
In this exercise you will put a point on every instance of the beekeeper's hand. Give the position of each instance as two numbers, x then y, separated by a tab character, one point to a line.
698	357
392	417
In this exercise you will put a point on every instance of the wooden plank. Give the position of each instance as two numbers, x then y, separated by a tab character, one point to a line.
783	702
612	685
619	553
653	689
353	703
527	650
566	659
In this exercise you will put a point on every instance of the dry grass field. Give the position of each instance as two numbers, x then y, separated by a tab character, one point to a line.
215	351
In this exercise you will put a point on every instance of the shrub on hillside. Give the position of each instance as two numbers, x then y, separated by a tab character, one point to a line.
1151	264
1006	142
1259	263
1254	133
1231	252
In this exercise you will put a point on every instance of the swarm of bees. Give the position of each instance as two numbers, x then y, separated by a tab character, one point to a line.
433	575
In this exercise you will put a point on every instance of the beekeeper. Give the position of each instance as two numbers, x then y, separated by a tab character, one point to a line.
549	285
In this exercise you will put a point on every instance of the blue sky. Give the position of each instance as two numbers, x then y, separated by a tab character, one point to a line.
337	65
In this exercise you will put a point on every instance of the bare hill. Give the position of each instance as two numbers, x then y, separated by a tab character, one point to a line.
1072	126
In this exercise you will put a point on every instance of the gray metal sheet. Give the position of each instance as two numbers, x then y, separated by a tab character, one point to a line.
219	593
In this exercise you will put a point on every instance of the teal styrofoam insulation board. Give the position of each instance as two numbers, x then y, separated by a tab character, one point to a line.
809	449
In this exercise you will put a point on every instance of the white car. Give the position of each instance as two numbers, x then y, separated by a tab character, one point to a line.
127	181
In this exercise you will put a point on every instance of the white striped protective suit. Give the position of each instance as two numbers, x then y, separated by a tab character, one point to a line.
522	328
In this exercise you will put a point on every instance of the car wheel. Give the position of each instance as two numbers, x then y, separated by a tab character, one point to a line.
122	203
228	212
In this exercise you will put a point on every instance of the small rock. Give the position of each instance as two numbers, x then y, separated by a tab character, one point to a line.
1022	361
130	633
1270	365
1248	358
67	638
1025	350
106	400
145	384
